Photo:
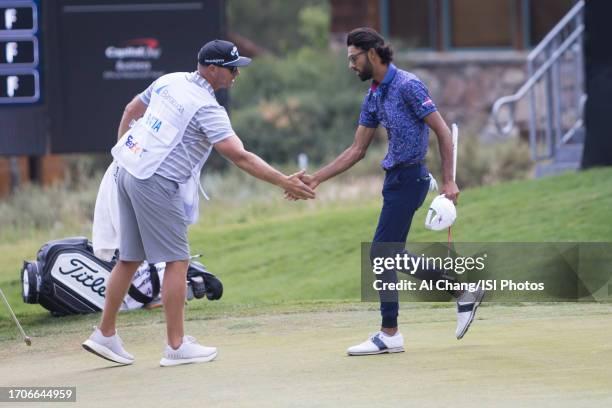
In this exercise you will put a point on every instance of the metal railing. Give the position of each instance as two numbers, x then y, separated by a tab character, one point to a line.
563	114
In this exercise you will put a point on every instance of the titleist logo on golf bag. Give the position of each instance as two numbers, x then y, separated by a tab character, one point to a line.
67	278
78	272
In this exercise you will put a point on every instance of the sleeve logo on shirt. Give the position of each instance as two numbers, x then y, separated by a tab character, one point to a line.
428	102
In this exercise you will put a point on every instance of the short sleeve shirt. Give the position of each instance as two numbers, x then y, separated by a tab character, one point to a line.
400	103
209	125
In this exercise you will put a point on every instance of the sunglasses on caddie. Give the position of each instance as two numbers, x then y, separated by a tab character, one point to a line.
232	70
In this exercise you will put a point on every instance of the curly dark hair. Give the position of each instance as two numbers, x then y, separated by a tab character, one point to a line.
366	38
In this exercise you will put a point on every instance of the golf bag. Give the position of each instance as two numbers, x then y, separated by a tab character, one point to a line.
66	278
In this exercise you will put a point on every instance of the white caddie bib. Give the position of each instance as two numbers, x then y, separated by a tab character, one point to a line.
143	148
174	101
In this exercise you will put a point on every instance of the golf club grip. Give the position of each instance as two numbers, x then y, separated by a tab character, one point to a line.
455	139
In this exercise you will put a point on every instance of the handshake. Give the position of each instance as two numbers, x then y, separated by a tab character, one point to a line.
300	186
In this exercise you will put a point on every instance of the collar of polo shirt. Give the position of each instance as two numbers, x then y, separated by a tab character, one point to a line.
391	71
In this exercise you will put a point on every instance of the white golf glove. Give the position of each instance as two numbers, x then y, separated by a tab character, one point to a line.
433	184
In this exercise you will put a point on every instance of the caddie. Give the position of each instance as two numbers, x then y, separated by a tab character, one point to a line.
175	122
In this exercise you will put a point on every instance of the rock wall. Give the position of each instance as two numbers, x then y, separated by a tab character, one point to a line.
465	85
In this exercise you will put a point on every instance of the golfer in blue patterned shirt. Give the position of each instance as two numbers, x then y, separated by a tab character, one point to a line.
400	102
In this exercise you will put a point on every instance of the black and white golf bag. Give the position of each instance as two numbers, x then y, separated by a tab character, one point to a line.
66	278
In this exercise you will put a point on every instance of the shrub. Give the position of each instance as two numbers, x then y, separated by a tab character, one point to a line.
483	163
307	103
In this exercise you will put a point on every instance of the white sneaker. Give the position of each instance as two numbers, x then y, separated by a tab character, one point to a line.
467	304
378	343
110	348
189	352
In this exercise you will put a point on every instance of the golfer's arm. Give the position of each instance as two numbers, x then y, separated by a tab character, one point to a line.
445	144
233	150
346	159
133	110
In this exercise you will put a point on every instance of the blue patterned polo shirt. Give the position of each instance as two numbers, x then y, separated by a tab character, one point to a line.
399	103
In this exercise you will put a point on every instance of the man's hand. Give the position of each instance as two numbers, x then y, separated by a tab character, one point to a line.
296	189
307	179
310	180
451	191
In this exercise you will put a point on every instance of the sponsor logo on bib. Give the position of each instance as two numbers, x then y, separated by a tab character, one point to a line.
132	144
154	123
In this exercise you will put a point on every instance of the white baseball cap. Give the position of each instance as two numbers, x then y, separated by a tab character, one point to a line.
441	215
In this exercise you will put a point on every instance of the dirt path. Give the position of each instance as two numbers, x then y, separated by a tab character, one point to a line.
522	356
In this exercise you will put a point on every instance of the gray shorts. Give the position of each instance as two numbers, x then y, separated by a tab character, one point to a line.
151	219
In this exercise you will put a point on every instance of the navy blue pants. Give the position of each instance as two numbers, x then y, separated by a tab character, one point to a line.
404	191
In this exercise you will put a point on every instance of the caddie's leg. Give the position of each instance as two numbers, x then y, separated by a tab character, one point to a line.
174	290
104	341
117	288
131	255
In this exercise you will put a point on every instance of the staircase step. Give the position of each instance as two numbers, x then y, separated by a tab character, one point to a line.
569	153
579	136
551	169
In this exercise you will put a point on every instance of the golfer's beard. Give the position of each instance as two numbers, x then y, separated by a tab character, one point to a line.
366	73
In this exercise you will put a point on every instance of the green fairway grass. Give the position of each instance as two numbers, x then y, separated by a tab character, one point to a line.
302	254
317	256
546	355
291	307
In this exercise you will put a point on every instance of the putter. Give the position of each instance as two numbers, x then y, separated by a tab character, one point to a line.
455	138
26	338
455	134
